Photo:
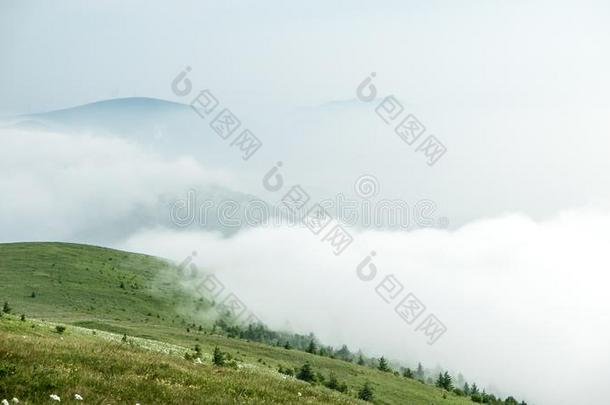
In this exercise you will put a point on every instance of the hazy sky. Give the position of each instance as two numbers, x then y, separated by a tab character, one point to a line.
516	90
478	53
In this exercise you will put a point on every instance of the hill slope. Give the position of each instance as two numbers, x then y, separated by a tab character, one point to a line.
120	292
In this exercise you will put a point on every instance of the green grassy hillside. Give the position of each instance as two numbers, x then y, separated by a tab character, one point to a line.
101	294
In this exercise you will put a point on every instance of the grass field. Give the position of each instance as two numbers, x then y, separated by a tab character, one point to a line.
100	294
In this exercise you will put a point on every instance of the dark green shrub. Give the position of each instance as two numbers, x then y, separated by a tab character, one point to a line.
218	357
306	373
476	398
334	384
286	370
7	369
383	365
366	393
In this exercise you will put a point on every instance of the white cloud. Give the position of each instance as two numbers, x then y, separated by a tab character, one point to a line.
58	187
524	302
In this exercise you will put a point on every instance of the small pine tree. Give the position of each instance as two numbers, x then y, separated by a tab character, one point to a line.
444	381
22	318
124	338
366	393
460	380
420	374
6	308
447	381
344	353
439	380
312	347
306	373
33	294
474	390
383	365
466	389
287	346
407	373
332	383
122	285
218	357
361	360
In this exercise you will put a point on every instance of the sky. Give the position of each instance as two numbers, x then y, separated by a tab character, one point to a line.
516	91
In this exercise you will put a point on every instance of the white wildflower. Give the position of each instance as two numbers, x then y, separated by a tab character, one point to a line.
78	397
4	402
55	397
15	400
299	394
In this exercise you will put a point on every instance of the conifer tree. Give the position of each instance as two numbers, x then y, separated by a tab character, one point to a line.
447	381
439	380
419	374
383	364
366	392
218	357
344	354
306	373
312	347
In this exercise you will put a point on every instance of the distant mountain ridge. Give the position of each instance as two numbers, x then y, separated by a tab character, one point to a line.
118	116
132	103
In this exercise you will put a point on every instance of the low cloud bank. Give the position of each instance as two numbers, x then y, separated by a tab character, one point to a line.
86	187
524	302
